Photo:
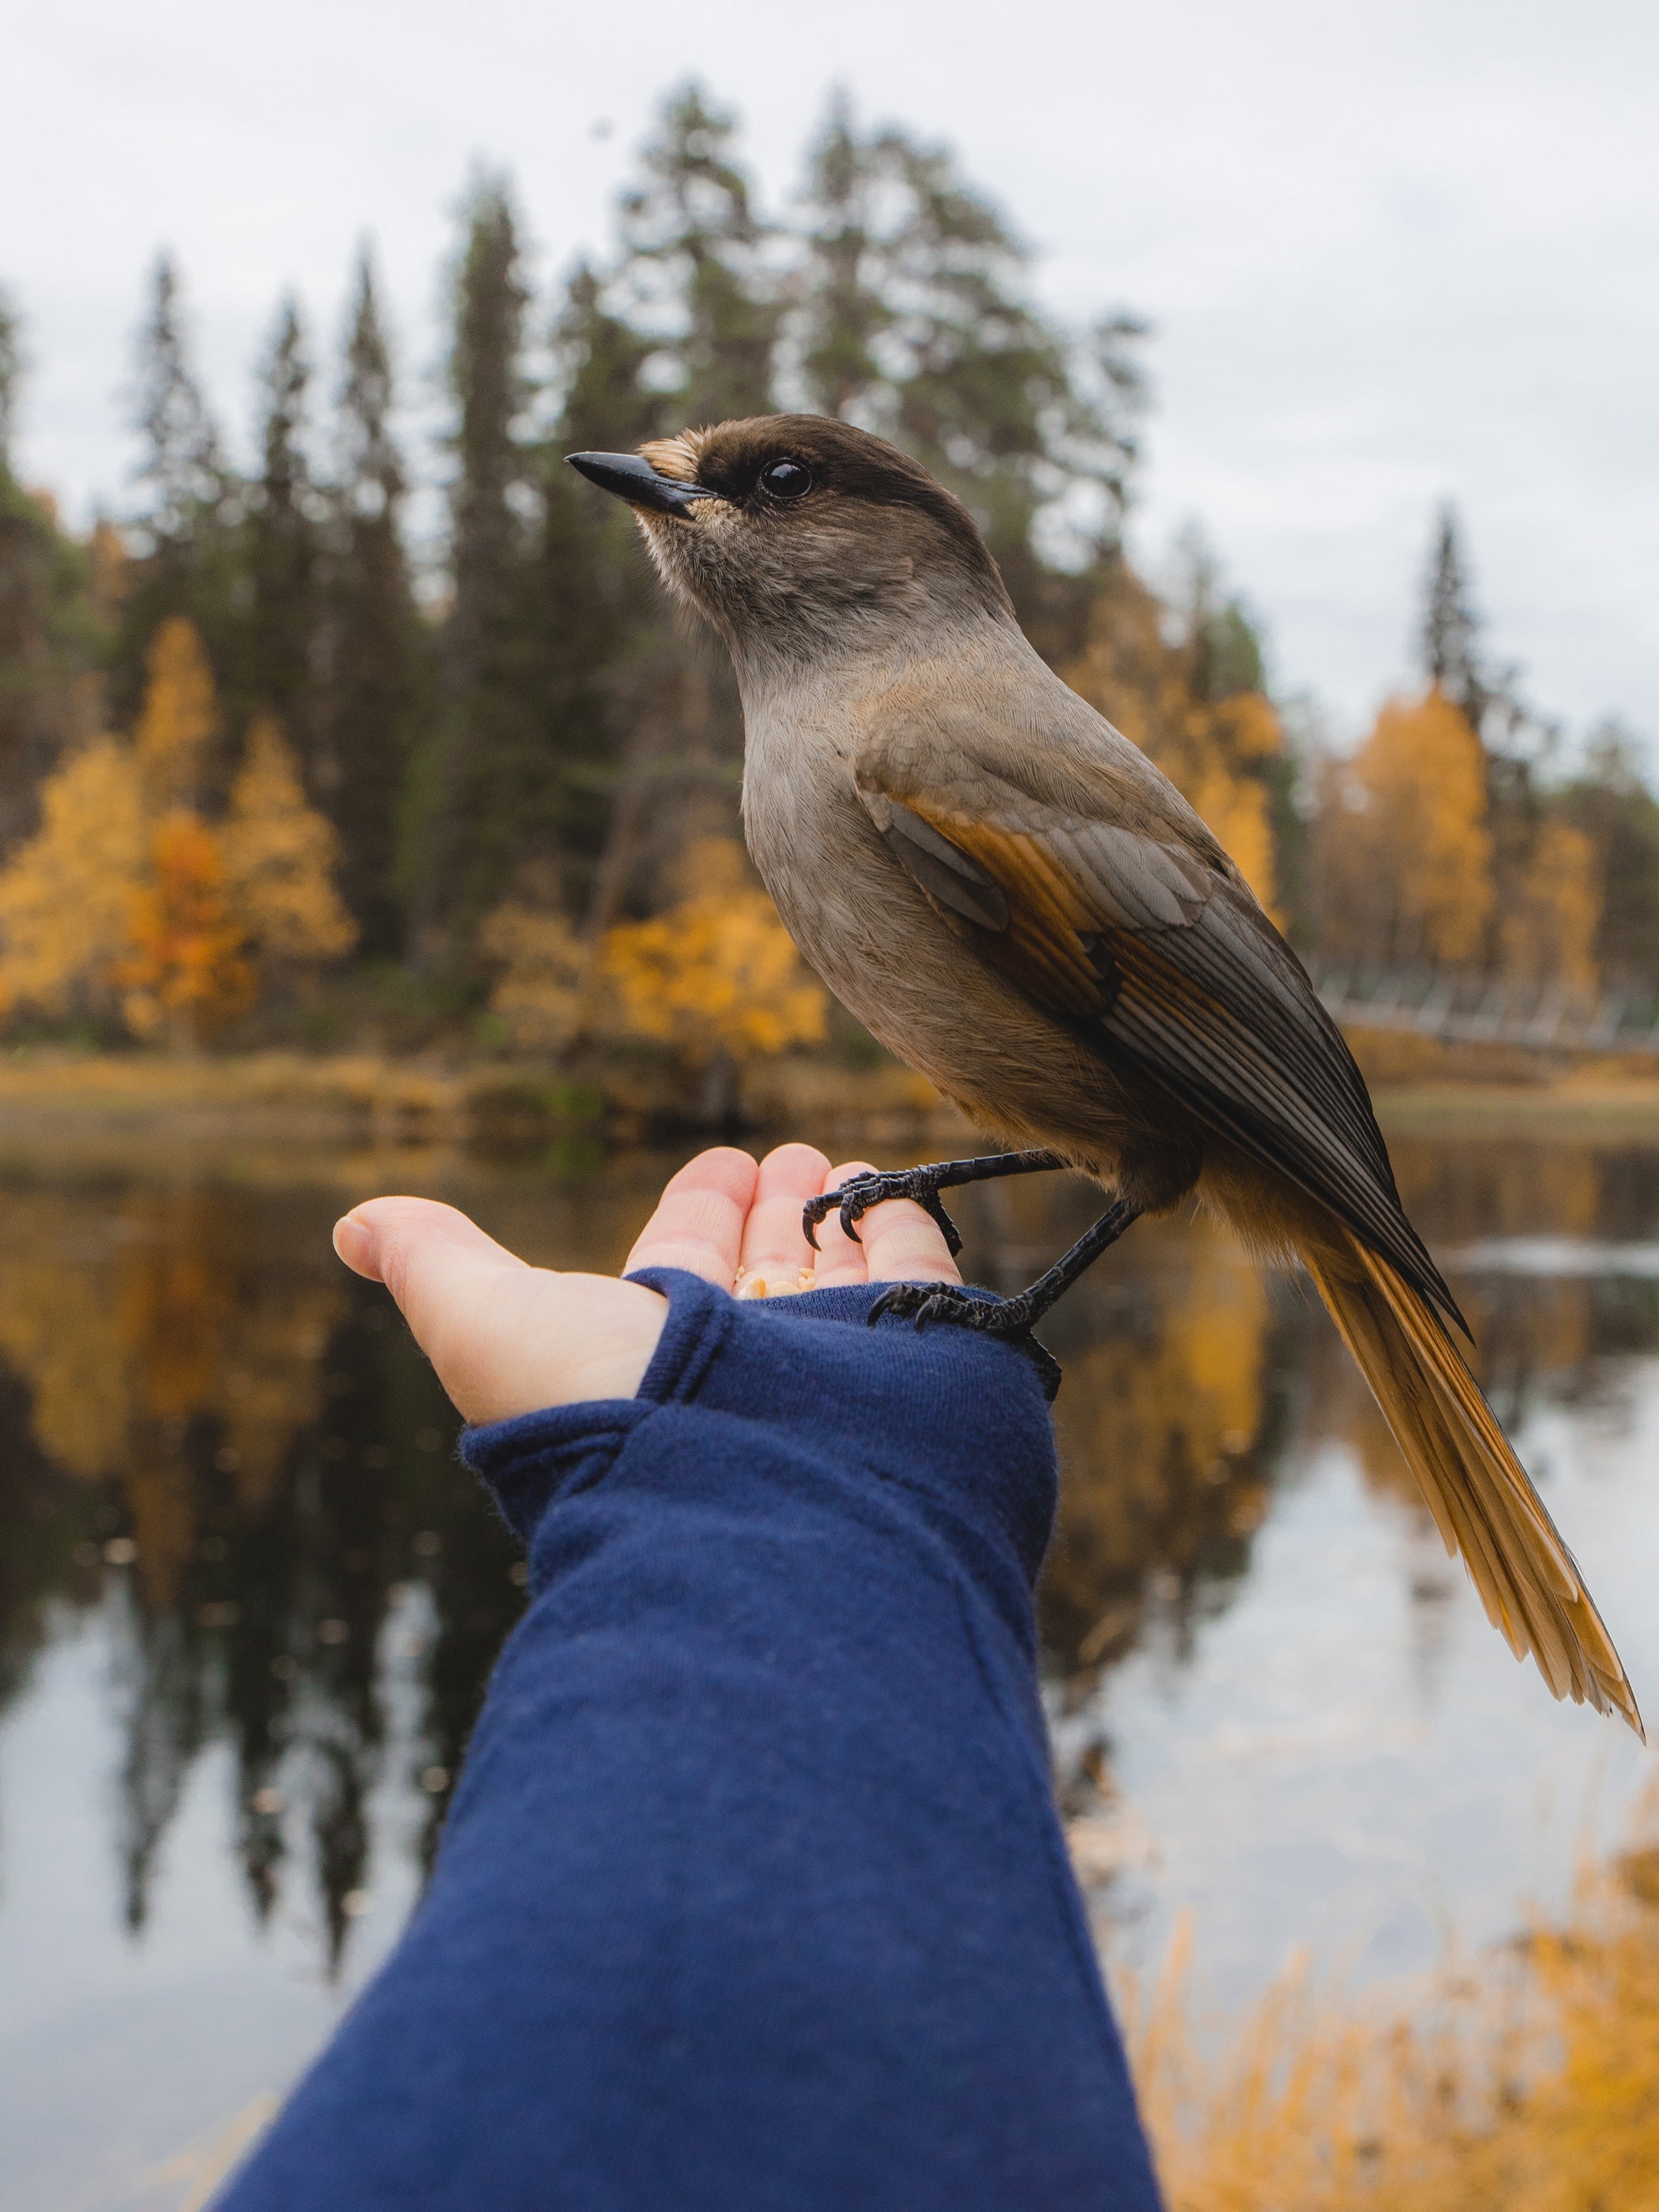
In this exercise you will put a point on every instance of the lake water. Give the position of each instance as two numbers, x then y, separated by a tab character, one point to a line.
248	1602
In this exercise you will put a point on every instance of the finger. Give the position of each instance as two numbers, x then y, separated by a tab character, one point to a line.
841	1259
409	1243
776	1252
503	1337
902	1244
698	1223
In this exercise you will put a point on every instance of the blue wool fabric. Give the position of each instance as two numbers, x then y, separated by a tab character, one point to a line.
753	1896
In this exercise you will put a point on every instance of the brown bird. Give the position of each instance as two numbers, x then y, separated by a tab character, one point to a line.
1006	892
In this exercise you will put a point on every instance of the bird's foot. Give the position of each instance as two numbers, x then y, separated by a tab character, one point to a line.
923	1303
860	1192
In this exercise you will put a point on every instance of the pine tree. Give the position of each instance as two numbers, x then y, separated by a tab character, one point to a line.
51	633
375	654
696	268
694	247
11	378
1515	745
184	530
843	315
473	833
595	612
1450	635
1612	804
284	547
916	322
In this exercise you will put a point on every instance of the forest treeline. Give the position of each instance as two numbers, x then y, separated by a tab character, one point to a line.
266	760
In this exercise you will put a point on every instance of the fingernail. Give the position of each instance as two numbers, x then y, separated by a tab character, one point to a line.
354	1244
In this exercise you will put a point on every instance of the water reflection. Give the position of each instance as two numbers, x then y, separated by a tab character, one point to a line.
232	1450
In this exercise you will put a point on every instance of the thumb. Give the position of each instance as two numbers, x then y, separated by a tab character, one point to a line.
504	1338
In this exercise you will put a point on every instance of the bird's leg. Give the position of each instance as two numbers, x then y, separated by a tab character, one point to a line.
1014	1317
860	1192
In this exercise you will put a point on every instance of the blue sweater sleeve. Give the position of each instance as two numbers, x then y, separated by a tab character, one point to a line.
753	1894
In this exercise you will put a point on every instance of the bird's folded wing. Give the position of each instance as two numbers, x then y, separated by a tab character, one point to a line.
1148	937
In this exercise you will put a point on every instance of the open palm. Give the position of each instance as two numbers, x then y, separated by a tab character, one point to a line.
506	1337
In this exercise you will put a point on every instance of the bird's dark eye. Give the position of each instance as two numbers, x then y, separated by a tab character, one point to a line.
786	479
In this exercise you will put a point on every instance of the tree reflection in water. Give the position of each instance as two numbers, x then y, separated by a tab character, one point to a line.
233	1449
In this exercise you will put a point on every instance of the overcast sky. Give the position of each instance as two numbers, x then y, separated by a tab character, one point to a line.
1394	251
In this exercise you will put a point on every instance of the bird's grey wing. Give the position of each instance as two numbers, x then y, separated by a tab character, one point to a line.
1148	938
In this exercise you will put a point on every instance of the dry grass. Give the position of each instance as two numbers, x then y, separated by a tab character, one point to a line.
1529	2083
345	1096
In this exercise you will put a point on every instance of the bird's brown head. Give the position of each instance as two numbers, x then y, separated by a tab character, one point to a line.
801	537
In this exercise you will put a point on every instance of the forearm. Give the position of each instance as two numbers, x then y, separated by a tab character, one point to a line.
752	1891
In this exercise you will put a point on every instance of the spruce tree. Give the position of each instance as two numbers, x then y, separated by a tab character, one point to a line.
11	378
694	259
283	550
1451	629
594	610
694	247
1514	741
183	531
915	321
474	826
1610	802
51	637
843	315
374	653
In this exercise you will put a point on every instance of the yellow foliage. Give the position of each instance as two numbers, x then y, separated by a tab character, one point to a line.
1211	750
1159	1444
125	1339
1531	2085
66	897
1406	853
187	972
716	973
1550	917
279	856
125	887
178	718
546	967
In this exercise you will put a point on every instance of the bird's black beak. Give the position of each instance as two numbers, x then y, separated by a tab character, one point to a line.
635	480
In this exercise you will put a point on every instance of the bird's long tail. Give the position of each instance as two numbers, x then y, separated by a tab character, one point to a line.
1477	1490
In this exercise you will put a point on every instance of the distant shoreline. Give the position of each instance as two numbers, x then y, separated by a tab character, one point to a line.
362	1111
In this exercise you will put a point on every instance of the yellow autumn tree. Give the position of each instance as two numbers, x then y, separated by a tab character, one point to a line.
280	858
178	718
127	895
717	973
125	1344
66	897
1405	856
1158	1452
543	993
1213	749
187	972
1552	914
716	976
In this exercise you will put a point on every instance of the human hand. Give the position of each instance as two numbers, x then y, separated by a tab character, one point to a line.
506	1337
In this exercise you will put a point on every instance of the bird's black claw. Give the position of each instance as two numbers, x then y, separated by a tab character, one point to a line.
923	1303
933	1204
856	1197
814	1211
